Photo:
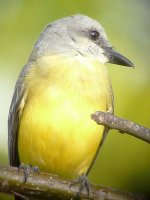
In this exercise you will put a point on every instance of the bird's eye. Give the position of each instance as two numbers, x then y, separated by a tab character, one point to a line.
94	34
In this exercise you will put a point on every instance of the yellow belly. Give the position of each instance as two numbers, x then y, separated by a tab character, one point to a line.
56	132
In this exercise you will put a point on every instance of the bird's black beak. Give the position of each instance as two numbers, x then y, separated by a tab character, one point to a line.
116	58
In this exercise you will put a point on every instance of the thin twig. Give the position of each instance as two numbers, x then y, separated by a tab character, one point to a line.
124	126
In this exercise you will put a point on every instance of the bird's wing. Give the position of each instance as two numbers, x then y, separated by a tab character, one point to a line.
110	108
14	116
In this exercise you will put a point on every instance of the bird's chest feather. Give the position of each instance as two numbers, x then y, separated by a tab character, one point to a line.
56	119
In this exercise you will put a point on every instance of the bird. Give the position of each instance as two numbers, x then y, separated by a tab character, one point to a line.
64	81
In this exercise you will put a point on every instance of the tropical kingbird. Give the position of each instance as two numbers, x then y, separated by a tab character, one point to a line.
62	84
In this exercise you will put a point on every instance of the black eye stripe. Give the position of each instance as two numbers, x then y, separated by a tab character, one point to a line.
94	34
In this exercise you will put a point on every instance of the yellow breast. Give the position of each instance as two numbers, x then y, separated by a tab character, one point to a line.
56	132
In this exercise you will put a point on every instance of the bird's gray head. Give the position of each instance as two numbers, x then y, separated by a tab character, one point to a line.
77	35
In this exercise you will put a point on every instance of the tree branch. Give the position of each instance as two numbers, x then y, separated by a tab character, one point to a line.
124	126
47	186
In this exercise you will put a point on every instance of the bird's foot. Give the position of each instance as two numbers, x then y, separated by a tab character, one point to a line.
83	184
27	169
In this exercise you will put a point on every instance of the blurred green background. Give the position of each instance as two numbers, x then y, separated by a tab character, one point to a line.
124	161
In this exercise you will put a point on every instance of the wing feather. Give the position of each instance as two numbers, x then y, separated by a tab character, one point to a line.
14	116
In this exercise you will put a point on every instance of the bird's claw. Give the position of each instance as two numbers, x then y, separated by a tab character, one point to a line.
27	169
83	184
